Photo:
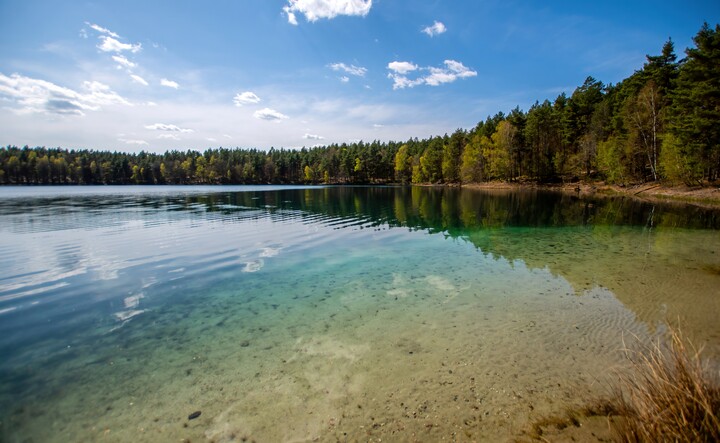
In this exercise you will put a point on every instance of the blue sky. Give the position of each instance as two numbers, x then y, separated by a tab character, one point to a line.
159	75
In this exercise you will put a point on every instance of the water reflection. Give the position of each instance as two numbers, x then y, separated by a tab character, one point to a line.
434	209
647	254
104	289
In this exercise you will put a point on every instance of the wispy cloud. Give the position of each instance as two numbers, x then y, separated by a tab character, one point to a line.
344	79
452	71
137	79
358	71
313	137
168	128
245	98
133	142
270	115
123	62
169	137
435	29
31	95
102	30
317	9
169	83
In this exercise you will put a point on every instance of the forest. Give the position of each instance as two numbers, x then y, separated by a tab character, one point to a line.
660	124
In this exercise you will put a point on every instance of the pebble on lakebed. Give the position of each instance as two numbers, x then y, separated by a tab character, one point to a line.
195	414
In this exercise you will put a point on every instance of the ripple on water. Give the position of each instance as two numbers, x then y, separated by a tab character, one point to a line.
251	308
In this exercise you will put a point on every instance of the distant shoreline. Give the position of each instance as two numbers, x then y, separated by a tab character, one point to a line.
705	196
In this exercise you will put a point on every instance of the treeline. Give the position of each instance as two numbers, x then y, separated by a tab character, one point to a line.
661	123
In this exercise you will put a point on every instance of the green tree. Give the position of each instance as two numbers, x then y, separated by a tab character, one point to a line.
472	168
451	159
611	159
309	174
431	161
645	125
543	135
403	165
694	117
497	153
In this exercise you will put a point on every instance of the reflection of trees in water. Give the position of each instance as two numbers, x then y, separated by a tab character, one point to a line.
654	258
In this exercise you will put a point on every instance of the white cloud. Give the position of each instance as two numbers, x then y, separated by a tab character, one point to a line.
313	137
401	82
402	67
352	69
344	79
169	83
452	71
110	44
317	9
435	29
269	114
168	137
133	142
245	98
291	16
101	94
138	79
210	139
166	127
123	62
33	95
102	30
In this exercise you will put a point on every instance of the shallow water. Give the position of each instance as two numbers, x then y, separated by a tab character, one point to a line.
295	314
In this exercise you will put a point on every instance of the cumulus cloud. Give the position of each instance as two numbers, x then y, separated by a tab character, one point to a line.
452	71
31	95
402	67
344	79
167	127
314	10
435	29
110	44
313	137
123	62
269	114
245	98
102	30
358	71
169	83
138	79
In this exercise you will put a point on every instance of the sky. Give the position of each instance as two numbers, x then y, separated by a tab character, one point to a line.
161	75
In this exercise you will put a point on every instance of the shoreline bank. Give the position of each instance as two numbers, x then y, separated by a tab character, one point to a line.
708	197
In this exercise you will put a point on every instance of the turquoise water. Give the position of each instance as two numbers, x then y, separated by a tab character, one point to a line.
325	313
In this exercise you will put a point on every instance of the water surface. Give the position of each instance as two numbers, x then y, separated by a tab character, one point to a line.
294	314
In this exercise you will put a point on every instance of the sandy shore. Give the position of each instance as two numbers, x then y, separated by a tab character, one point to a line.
708	196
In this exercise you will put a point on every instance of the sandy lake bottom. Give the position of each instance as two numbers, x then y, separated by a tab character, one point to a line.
288	325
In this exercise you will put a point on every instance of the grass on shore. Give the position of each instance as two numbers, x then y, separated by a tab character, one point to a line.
670	395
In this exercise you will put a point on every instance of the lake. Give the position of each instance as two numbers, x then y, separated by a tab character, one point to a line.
331	313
